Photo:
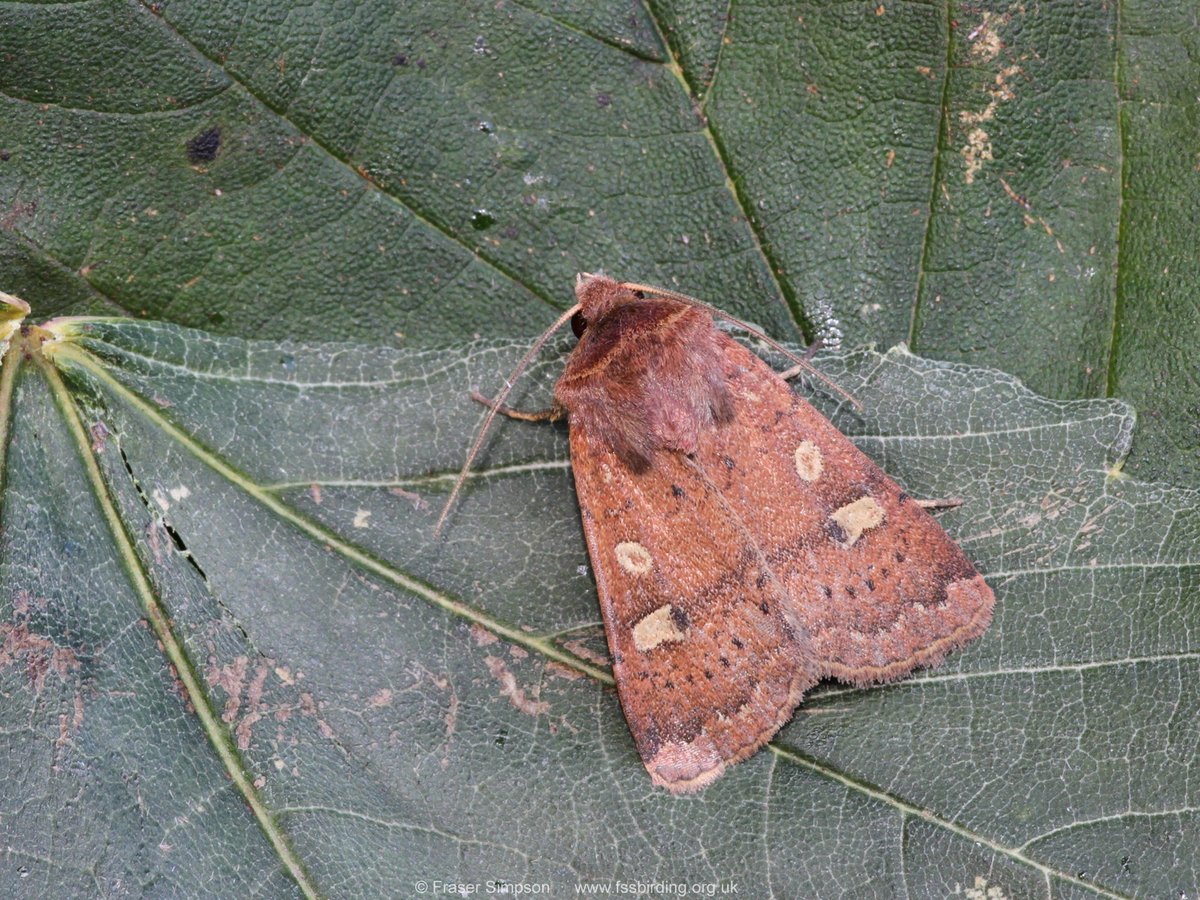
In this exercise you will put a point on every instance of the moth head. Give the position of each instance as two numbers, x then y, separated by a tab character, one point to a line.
597	294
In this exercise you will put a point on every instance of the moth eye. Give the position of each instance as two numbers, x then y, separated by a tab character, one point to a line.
641	295
578	324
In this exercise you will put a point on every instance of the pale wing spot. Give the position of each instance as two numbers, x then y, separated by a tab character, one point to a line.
634	558
656	628
854	518
809	463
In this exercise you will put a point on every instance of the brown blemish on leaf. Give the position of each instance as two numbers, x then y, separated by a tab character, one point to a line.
417	501
16	213
254	695
483	637
228	678
451	723
558	670
509	688
451	717
99	437
40	654
246	703
254	707
68	726
583	651
309	708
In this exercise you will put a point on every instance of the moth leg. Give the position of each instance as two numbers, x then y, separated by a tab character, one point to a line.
809	352
940	503
551	414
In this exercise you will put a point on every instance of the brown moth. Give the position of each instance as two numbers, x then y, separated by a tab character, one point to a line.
743	548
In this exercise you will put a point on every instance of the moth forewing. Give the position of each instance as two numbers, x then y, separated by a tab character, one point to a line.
742	546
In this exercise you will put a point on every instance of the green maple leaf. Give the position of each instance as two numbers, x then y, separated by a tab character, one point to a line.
234	660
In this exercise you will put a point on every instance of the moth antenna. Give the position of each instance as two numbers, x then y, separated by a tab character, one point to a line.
496	403
801	362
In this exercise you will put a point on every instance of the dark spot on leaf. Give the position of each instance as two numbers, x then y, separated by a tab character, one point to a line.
481	220
5	156
420	63
501	738
603	100
399	60
204	146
